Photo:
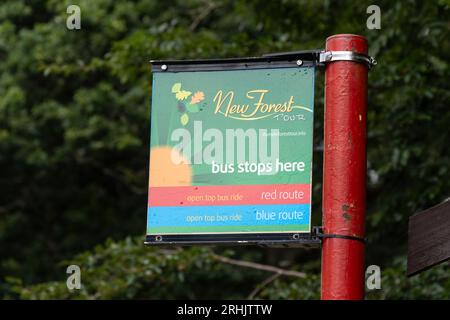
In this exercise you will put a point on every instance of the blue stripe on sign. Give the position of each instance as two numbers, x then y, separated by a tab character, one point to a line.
250	215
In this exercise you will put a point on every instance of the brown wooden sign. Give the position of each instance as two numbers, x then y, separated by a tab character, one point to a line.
429	238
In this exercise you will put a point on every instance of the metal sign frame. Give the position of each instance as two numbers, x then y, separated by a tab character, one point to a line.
282	239
285	240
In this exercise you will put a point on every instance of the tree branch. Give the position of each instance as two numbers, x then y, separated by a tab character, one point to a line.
263	267
210	6
260	286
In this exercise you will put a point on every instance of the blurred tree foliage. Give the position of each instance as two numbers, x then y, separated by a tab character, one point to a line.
74	115
127	270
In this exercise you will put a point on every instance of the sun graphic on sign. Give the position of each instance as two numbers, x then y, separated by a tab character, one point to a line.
168	167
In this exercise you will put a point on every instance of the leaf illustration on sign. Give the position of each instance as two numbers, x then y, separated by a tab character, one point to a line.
176	87
186	107
181	107
192	108
184	119
182	95
197	97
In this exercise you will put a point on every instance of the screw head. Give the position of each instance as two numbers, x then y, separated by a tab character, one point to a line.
299	62
164	67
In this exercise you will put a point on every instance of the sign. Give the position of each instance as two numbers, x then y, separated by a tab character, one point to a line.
429	238
230	150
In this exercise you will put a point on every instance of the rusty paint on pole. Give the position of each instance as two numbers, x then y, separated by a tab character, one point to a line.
344	182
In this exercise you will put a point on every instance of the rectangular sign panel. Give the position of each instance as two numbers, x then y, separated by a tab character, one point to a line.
231	151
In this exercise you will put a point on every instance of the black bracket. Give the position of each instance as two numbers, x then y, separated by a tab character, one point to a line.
303	58
321	235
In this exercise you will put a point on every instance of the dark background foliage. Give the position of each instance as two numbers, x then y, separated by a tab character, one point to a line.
74	126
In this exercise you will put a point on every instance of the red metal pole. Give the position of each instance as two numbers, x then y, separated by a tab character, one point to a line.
344	180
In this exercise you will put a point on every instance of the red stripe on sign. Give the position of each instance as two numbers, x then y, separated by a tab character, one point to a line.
229	195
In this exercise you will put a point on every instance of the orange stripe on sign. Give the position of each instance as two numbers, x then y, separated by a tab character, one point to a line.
229	195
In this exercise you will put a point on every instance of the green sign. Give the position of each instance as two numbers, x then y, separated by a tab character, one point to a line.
231	151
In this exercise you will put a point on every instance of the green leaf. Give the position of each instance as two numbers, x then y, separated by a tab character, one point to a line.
192	108
184	119
176	87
